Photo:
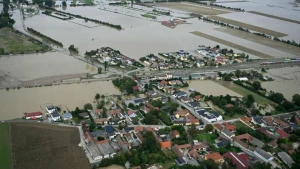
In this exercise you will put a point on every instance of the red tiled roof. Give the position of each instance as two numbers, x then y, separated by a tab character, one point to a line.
214	156
229	127
239	160
33	114
194	154
247	120
282	133
273	143
229	105
138	128
280	122
130	112
184	146
268	120
181	112
218	126
198	97
102	141
165	144
164	82
135	88
99	121
99	111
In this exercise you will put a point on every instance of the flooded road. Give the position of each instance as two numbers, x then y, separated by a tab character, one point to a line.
15	102
208	87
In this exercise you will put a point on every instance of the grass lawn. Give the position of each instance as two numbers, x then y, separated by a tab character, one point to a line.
168	164
170	154
15	43
244	92
5	156
138	114
239	124
208	137
235	116
149	16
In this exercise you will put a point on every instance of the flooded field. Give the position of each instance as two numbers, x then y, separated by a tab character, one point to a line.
33	66
14	103
208	87
287	81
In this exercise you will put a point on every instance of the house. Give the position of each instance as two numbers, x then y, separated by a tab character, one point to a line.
67	116
273	143
33	115
181	113
262	154
53	113
180	161
190	119
99	111
135	88
257	120
194	105
185	99
218	127
227	133
178	152
247	121
84	115
131	113
175	134
210	117
164	83
138	129
229	106
217	157
243	79
280	123
240	160
97	133
286	158
137	102
165	145
114	113
101	121
197	98
180	94
229	126
247	137
194	154
282	134
110	131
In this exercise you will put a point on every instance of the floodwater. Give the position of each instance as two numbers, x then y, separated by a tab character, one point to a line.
33	66
208	87
287	81
15	102
140	36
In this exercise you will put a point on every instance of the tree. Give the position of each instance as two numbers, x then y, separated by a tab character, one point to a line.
296	99
293	119
256	85
88	106
250	99
99	70
277	97
99	138
263	70
146	86
64	3
293	138
192	130
150	143
131	105
209	128
49	3
97	96
92	127
105	65
238	73
190	77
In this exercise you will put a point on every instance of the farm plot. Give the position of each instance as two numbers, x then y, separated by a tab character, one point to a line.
233	45
248	26
5	156
261	40
36	146
194	8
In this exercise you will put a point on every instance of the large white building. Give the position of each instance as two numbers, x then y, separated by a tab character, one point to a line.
53	113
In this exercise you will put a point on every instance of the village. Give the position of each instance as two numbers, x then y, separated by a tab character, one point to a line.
186	127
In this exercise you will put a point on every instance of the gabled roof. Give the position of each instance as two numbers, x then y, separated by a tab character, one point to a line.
184	146
33	114
181	112
229	126
280	122
214	156
130	112
99	111
240	160
165	144
286	158
218	126
282	133
198	97
177	151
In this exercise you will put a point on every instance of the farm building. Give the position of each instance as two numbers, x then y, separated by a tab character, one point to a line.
33	115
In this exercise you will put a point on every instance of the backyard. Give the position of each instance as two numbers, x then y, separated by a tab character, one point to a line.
208	137
5	159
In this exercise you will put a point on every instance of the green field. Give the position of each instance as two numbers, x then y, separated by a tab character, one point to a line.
208	137
5	155
149	16
244	92
17	43
90	2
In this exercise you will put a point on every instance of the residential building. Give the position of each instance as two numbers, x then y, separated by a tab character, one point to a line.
175	134
227	133
218	127
217	157
286	158
180	94
247	121
101	121
240	160
282	134
84	115
262	154
67	116
210	117
229	126
33	115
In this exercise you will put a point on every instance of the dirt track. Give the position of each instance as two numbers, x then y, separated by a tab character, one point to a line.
233	45
248	26
194	8
275	17
261	40
36	146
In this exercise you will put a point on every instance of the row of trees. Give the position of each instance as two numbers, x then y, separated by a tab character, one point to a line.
5	18
86	19
45	37
217	5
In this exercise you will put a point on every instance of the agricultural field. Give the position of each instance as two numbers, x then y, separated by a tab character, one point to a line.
244	92
261	40
275	17
233	45
5	156
36	146
248	26
112	167
15	43
194	8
